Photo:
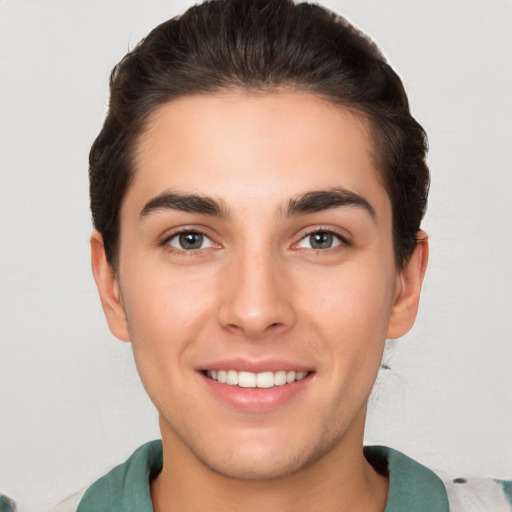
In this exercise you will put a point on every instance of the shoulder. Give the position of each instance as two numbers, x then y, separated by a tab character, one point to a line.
126	487
412	486
415	488
6	504
479	495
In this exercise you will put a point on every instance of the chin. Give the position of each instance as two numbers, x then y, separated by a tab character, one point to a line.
253	460
257	467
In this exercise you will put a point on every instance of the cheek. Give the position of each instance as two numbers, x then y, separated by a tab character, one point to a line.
166	313
349	312
350	300
166	308
160	291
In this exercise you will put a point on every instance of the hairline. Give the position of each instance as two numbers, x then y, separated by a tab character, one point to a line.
373	132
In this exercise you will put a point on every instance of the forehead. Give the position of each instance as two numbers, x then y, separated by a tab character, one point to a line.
243	147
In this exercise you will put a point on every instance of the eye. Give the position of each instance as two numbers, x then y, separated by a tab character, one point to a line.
320	240
189	241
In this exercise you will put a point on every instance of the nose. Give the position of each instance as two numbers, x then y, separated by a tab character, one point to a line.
257	296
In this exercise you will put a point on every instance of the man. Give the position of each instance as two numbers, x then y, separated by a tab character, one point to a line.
257	191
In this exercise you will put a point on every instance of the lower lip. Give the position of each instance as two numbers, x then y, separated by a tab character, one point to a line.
256	399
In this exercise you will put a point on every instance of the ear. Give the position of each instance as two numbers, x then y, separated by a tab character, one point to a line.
407	297
108	288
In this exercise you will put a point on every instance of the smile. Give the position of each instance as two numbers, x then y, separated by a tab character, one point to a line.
245	379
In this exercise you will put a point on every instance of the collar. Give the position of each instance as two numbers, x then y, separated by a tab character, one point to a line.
412	487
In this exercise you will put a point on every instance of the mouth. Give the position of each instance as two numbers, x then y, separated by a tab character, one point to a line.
265	380
257	386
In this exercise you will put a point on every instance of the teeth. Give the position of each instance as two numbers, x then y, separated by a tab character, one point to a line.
290	377
265	380
232	378
255	380
279	378
247	380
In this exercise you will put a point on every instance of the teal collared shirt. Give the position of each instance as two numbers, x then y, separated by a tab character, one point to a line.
412	487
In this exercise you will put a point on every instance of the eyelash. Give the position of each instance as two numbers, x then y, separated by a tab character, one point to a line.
338	240
342	240
187	231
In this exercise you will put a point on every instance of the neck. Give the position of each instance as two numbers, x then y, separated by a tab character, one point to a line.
341	479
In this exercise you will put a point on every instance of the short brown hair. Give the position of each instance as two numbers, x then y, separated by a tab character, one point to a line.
260	45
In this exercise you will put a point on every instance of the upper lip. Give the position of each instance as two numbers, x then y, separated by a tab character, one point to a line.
254	366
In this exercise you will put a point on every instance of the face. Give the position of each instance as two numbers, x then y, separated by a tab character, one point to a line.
256	279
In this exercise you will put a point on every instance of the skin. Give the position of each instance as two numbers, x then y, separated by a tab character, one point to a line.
258	289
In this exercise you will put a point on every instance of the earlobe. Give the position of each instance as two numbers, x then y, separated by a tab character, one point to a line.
108	289
405	306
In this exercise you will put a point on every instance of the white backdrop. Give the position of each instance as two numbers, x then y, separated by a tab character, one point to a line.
71	404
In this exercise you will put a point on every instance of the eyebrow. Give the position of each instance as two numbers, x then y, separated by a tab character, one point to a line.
319	200
195	203
310	202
